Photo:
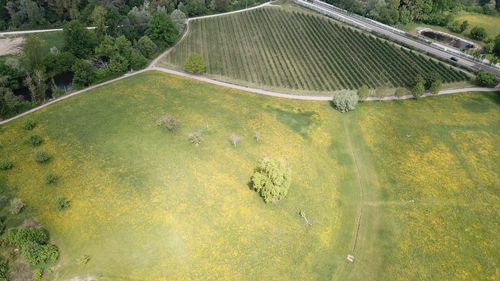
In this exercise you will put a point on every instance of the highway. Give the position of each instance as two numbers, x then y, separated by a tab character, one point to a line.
396	35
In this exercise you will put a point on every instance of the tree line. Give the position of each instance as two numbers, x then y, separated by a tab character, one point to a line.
32	14
88	55
437	12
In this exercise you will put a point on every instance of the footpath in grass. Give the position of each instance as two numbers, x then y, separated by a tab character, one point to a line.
289	50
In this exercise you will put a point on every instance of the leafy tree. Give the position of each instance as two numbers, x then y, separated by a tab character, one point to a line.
78	40
37	87
99	20
486	79
57	63
455	26
84	73
418	89
106	48
195	64
436	86
271	180
118	64
496	48
162	30
113	21
8	101
32	54
363	92
137	60
179	19
146	46
345	101
478	33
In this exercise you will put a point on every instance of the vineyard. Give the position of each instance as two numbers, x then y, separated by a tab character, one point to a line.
278	48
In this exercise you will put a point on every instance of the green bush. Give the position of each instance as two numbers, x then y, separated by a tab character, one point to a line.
20	237
35	140
486	79
42	156
478	33
29	124
418	90
38	274
40	255
50	178
195	64
363	92
345	101
4	270
62	204
168	122
6	165
16	205
271	180
400	92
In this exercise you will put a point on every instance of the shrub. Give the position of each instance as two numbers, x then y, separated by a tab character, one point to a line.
37	274
436	86
137	60
400	92
363	92
84	73
62	204
40	255
16	205
235	139
168	122
418	90
21	237
196	137
345	101
6	165
50	178
35	140
271	180
195	64
486	79
478	33
29	125
4	270
42	156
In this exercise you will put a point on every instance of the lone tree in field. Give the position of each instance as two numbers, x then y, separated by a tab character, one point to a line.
418	90
195	64
169	122
271	180
345	101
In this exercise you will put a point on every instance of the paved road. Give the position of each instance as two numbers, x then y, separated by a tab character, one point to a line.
394	34
22	32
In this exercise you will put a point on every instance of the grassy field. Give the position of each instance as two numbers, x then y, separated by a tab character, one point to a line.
147	205
283	48
490	23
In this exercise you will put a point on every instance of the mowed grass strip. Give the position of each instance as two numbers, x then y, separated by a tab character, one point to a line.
277	48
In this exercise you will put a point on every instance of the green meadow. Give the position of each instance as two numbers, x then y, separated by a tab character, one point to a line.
410	188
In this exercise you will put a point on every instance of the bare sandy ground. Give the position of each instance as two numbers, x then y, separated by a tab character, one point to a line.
10	46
